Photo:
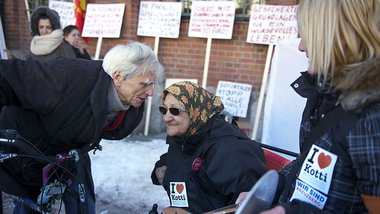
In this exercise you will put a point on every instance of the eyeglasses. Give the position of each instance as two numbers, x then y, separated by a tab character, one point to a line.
173	111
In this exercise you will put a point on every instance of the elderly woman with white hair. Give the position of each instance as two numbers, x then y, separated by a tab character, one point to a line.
67	104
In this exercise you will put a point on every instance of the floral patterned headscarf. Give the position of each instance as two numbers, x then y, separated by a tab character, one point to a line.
200	104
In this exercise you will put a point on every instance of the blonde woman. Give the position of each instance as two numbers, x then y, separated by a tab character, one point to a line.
339	168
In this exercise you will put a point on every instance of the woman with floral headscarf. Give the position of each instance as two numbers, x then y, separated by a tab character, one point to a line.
209	161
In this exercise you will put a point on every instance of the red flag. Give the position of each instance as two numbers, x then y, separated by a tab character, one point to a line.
80	14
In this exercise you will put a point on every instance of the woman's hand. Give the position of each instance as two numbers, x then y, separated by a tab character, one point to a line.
160	173
241	197
78	44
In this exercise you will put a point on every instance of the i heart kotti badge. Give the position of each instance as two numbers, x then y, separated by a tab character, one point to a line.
178	194
318	168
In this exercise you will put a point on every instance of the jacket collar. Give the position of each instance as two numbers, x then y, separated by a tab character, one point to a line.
359	85
356	87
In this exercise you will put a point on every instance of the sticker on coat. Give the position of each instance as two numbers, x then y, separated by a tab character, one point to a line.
308	194
178	194
318	168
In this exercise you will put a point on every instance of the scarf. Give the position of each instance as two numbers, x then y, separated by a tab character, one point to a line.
43	45
200	104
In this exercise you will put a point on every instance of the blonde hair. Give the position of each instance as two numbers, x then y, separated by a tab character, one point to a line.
339	33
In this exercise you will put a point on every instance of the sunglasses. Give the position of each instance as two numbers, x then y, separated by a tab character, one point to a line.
173	111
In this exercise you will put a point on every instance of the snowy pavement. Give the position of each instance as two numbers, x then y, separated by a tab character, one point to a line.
122	173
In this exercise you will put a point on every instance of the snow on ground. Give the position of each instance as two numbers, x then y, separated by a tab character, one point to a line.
121	174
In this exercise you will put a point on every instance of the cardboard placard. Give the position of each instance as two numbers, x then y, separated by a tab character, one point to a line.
270	24
211	19
65	11
159	19
103	20
235	97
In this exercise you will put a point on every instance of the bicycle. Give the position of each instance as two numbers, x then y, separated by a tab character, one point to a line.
12	145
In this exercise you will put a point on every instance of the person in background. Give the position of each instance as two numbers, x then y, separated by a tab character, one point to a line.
72	36
338	170
47	42
67	104
209	161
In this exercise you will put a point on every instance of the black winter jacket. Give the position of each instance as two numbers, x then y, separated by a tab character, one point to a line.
231	164
62	105
354	140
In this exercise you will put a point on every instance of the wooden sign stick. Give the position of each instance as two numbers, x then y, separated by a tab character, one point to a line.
98	46
262	92
207	62
149	104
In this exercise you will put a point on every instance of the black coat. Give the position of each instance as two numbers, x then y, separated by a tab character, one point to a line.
231	163
60	105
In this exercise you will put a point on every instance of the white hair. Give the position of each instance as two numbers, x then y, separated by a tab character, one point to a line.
131	60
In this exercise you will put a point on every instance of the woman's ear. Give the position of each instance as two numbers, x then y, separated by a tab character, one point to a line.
117	78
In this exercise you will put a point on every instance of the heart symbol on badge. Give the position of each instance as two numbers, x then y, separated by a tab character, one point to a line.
179	188
324	160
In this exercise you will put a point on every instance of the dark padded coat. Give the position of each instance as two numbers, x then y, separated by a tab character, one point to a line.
63	105
231	163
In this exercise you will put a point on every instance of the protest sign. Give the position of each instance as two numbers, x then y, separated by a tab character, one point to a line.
103	20
65	11
159	19
235	97
212	19
270	24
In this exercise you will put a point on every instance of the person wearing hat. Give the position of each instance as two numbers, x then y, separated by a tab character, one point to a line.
209	161
47	42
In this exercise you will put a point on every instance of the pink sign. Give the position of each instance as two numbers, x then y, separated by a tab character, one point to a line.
270	24
212	19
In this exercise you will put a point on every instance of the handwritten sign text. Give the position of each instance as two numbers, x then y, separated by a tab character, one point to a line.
270	24
161	19
103	20
211	19
65	11
235	97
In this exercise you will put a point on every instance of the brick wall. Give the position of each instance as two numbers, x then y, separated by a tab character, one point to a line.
231	60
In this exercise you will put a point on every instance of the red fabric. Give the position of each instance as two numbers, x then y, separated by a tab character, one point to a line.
80	14
275	161
117	122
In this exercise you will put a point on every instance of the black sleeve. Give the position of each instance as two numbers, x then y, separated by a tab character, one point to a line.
299	207
31	84
161	162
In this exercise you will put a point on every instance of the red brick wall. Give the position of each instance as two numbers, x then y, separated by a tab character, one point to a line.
231	60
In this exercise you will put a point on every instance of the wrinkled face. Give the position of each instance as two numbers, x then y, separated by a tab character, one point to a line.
135	90
73	38
176	125
44	27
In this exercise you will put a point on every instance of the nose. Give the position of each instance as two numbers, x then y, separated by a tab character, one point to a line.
301	46
149	90
167	117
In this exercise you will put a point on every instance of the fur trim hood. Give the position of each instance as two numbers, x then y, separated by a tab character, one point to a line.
359	85
52	14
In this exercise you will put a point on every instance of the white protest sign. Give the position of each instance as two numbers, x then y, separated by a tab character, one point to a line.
65	11
270	24
211	19
235	97
159	19
103	20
